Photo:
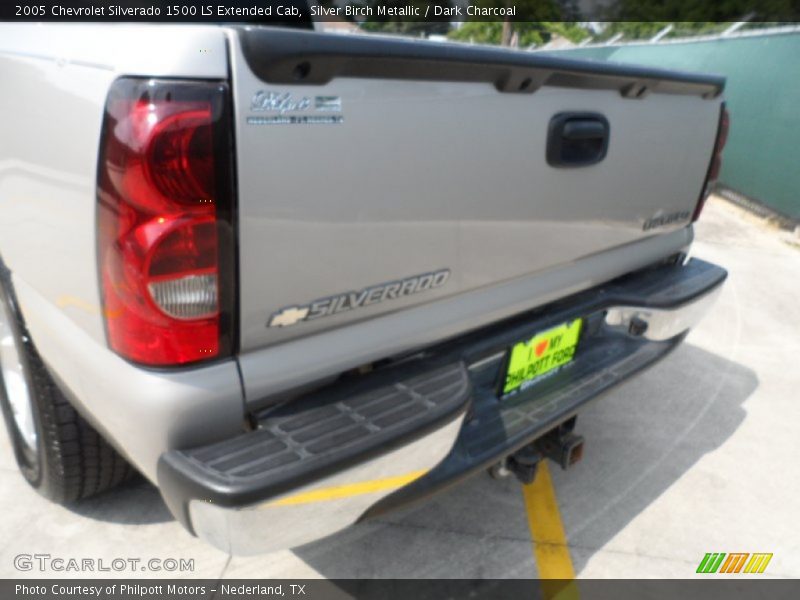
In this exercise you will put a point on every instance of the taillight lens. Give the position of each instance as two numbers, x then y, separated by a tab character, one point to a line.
165	248
716	160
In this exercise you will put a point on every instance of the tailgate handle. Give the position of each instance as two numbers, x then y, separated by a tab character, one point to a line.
584	129
577	139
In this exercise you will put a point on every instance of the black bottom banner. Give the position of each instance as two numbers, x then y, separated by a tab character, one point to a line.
398	589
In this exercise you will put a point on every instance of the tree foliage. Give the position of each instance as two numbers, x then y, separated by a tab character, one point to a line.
403	25
535	23
644	30
536	33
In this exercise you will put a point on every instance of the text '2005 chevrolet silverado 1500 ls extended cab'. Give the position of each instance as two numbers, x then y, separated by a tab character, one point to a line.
299	279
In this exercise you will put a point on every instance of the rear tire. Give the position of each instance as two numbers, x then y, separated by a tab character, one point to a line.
60	455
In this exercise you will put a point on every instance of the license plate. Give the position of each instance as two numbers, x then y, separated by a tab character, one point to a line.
543	354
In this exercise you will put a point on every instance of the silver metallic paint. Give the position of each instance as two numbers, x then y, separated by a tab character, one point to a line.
142	412
279	368
403	186
55	79
425	175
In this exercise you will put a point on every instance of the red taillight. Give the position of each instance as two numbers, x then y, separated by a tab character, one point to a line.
164	217
716	160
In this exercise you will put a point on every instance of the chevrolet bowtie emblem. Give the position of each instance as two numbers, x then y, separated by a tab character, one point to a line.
288	316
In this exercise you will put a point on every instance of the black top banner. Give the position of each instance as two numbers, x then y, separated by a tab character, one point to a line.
303	12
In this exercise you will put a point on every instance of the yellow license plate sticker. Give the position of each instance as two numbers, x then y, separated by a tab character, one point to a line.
542	354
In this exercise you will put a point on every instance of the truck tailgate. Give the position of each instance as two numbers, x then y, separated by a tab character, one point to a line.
379	174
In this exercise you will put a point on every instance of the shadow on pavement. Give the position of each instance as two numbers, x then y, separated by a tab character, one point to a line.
640	439
646	439
135	502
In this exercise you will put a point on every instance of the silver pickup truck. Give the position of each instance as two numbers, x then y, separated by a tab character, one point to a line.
299	279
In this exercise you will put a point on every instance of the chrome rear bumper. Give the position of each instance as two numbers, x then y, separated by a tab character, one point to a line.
319	509
659	324
367	445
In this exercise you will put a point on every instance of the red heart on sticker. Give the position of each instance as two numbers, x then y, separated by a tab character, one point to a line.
541	347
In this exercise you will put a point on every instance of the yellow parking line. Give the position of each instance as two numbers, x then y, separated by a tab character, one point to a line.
350	489
549	540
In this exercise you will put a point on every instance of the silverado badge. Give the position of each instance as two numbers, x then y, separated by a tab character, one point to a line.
333	305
